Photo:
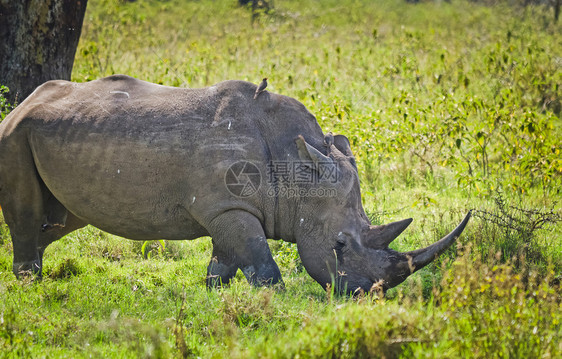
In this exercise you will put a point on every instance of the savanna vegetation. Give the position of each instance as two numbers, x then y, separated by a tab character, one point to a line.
450	106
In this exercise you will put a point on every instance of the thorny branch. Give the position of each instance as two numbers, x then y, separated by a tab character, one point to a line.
522	220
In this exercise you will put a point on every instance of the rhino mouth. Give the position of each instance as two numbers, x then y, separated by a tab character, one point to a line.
356	288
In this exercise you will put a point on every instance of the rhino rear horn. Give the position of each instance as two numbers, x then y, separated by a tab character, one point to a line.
379	237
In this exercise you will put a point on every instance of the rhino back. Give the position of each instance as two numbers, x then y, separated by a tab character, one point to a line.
149	161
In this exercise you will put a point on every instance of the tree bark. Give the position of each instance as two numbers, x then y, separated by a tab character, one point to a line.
38	40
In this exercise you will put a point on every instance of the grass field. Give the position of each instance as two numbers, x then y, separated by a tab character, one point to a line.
449	107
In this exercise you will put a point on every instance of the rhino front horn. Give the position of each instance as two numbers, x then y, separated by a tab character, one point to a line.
421	257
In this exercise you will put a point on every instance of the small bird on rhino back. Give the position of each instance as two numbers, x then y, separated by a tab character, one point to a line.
261	88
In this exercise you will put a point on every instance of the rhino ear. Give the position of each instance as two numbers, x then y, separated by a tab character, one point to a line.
379	237
309	154
342	143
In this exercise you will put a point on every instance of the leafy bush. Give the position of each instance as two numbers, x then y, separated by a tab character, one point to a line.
5	106
514	230
495	298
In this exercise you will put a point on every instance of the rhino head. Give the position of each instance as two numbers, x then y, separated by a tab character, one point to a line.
339	246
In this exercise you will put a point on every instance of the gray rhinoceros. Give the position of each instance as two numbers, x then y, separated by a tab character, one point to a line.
145	162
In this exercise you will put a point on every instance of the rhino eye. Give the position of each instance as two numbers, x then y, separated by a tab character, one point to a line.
340	243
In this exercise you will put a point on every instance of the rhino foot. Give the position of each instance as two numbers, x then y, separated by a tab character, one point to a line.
219	274
31	269
265	276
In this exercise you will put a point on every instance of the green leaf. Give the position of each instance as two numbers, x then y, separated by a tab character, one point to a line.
143	249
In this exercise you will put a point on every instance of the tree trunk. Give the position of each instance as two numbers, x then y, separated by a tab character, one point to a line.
38	40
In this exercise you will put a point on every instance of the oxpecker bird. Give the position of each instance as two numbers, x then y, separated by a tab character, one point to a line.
329	141
261	88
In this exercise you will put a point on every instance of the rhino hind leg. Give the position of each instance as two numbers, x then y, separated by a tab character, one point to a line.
239	243
26	204
23	208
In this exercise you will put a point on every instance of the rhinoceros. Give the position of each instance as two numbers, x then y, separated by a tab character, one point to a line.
145	161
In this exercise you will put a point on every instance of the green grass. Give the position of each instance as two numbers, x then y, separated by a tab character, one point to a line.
445	105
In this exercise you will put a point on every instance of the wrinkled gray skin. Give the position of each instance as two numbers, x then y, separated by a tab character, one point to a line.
145	161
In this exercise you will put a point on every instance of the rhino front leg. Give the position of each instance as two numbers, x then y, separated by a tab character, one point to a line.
239	243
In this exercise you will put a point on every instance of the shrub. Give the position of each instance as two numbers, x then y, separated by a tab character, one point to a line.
5	106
